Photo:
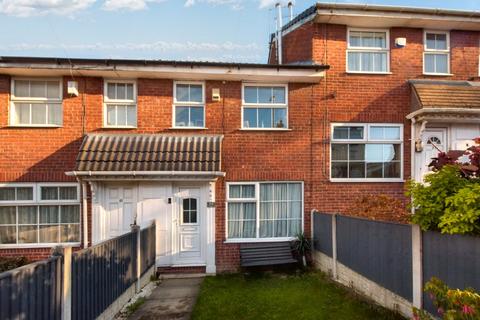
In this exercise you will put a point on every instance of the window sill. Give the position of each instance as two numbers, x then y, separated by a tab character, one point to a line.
438	74
259	240
368	73
376	180
38	245
187	128
121	128
265	129
35	126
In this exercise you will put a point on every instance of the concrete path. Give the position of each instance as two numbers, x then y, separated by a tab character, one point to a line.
173	299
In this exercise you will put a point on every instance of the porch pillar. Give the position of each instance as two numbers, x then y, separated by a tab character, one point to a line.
210	229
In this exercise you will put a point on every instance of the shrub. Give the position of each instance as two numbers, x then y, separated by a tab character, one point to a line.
451	304
380	207
9	263
430	199
462	213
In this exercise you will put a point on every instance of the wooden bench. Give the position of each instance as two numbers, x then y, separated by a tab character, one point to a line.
265	254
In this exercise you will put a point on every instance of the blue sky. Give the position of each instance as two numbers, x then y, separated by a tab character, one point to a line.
216	30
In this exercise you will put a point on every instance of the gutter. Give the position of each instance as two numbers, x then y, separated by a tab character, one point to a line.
144	173
443	110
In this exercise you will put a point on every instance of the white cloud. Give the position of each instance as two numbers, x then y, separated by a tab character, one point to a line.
234	4
26	8
112	5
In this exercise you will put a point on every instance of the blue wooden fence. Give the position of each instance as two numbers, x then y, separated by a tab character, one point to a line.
33	291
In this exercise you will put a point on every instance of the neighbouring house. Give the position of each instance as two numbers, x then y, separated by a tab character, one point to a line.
355	102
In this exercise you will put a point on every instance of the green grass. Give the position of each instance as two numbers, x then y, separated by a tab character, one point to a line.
273	296
134	306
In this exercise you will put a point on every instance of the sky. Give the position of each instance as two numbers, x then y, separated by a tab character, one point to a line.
200	30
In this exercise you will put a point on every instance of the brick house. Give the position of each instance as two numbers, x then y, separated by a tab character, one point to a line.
221	154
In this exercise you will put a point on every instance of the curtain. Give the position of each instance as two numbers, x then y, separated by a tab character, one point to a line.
7	215
8	234
49	193
27	215
241	220
70	214
24	193
68	193
48	214
7	194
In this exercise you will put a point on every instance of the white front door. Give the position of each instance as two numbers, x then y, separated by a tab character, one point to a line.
434	140
120	212
154	204
189	223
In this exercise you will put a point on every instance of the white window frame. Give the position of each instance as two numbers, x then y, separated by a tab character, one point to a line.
14	99
265	105
107	102
188	104
368	49
435	51
38	202
367	140
256	200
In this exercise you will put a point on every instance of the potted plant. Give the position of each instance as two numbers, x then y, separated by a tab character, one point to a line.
302	246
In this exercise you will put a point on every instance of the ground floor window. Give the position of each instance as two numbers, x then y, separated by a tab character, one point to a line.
39	214
264	210
366	152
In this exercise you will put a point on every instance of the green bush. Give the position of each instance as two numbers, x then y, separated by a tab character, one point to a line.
462	213
9	263
429	199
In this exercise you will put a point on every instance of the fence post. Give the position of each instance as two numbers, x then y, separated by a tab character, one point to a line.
417	272
67	284
334	246
136	230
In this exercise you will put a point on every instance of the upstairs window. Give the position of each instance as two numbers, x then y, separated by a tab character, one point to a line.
120	99
367	51
36	102
366	152
436	58
265	107
189	105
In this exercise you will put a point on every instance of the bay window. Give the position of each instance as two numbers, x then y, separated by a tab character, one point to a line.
366	152
367	51
120	100
36	102
189	105
265	107
436	58
264	210
39	214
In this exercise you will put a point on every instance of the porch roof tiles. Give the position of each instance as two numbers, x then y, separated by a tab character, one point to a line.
436	95
153	152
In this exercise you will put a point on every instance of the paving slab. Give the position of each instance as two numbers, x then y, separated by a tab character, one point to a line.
173	299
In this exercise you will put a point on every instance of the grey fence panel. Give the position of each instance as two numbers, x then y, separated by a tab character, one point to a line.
380	251
147	248
33	291
455	259
322	233
100	274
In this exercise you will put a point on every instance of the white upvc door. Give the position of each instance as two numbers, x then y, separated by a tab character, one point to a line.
155	204
434	140
120	213
188	226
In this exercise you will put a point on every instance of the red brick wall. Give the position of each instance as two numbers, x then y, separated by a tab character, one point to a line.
45	154
343	97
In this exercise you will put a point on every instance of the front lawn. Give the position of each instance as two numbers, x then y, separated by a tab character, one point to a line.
273	296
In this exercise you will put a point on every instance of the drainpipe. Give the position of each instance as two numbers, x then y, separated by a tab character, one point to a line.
85	214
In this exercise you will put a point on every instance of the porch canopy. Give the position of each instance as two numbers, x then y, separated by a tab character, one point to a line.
445	101
149	156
